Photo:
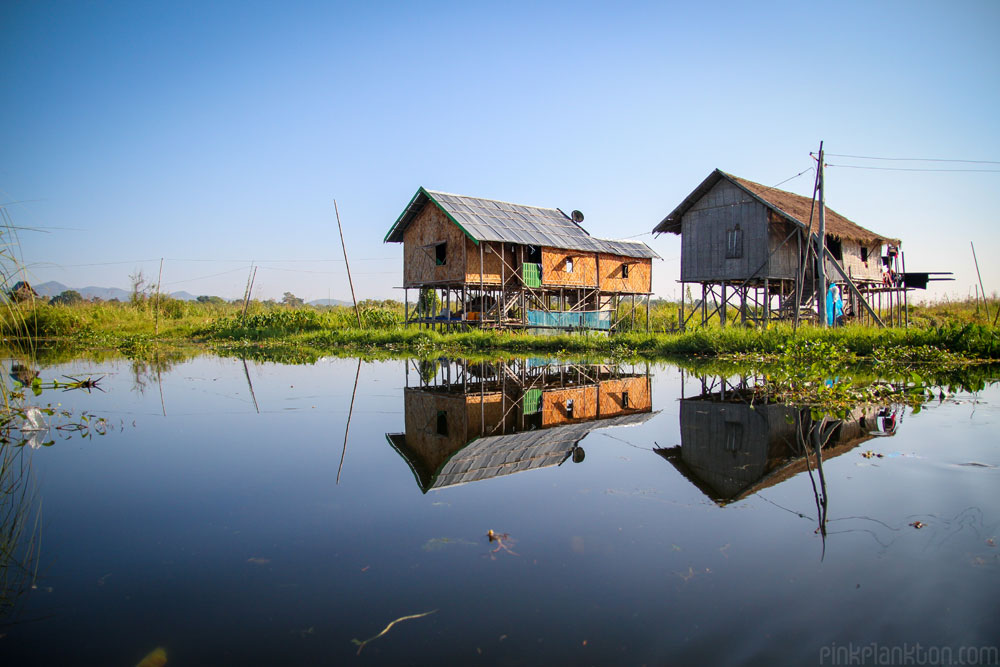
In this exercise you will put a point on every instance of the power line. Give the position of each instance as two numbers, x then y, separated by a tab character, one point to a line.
910	159
790	178
857	166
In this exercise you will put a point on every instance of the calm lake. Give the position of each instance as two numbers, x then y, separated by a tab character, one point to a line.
640	515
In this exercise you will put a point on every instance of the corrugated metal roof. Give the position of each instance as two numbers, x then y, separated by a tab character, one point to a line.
490	220
496	455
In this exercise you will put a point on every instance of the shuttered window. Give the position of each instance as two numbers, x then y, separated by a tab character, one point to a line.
734	243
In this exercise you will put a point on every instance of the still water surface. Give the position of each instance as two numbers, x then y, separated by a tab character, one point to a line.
631	525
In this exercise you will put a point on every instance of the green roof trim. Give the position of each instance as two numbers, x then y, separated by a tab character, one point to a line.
450	216
403	214
424	192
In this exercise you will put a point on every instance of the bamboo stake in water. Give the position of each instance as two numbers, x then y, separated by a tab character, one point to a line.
347	264
159	279
986	304
350	411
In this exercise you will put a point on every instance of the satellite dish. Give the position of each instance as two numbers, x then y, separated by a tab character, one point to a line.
576	216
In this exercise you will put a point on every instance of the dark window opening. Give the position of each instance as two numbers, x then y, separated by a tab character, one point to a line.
734	243
624	270
441	254
442	423
569	265
734	436
624	399
569	408
835	247
864	255
534	255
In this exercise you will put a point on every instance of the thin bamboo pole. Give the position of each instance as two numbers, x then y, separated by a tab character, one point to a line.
982	290
346	263
350	411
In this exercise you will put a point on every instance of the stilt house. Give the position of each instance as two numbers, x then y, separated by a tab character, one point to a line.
749	246
735	443
476	421
491	263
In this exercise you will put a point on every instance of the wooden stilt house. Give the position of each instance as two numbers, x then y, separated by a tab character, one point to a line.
735	442
486	263
753	247
475	421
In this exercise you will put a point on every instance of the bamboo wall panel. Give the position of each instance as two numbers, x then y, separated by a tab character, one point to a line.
611	404
784	260
432	226
485	414
554	271
857	269
495	269
640	274
421	419
554	405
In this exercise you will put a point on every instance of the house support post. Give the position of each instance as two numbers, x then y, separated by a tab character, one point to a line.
704	304
722	306
680	319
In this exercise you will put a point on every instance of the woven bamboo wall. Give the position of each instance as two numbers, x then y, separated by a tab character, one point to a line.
856	269
421	417
484	414
554	405
640	274
495	269
610	397
554	267
432	226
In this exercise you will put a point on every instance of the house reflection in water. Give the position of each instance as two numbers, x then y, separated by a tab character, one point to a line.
469	421
736	442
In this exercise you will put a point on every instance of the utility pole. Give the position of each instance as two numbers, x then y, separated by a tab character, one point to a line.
821	250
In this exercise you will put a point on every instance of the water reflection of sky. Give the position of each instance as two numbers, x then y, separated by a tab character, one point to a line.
220	532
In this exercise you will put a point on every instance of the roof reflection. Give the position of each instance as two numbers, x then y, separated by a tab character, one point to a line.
470	421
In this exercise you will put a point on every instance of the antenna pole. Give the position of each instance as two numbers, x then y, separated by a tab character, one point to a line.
821	260
347	264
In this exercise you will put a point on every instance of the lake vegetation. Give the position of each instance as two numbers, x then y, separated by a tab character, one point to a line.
963	328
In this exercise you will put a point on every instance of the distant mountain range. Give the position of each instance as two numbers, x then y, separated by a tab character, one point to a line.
329	302
53	288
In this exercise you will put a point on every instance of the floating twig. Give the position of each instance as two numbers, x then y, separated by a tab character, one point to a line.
361	644
499	539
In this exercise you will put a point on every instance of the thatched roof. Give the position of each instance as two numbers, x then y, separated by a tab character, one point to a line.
788	205
491	220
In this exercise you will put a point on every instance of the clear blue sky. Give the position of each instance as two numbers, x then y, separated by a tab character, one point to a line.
213	134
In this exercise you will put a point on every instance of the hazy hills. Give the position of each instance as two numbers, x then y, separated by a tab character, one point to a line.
52	288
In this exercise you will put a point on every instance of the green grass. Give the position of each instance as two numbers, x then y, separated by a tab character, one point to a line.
950	326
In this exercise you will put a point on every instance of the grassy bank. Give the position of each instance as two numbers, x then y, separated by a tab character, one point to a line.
953	328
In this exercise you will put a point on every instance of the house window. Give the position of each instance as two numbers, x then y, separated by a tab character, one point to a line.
734	243
734	436
442	423
624	270
441	254
624	399
864	255
569	408
569	265
835	247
